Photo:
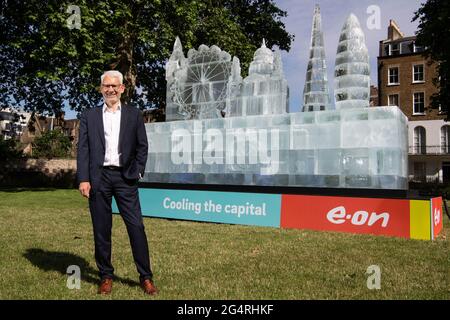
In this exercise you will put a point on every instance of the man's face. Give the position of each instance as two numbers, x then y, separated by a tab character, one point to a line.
112	90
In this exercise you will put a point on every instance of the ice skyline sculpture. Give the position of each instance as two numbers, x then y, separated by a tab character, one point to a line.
264	91
261	144
316	96
352	68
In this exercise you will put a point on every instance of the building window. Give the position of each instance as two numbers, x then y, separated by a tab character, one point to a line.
446	172
386	50
393	76
419	103
445	135
418	73
418	48
322	108
420	171
407	47
395	49
393	100
420	140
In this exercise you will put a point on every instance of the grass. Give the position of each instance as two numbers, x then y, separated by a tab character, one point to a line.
42	232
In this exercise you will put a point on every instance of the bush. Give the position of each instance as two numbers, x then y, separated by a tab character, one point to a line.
431	189
52	144
9	149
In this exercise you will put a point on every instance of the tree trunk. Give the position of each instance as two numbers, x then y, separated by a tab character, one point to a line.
124	64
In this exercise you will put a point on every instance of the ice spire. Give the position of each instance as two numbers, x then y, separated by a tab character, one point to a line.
352	71
176	61
315	94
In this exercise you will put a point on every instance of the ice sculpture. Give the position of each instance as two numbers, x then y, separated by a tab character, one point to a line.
316	96
350	148
352	71
265	90
201	86
256	142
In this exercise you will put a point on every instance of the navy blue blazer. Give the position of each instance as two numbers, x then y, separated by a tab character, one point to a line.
133	145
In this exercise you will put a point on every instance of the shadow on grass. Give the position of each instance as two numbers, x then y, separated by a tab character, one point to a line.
60	261
19	189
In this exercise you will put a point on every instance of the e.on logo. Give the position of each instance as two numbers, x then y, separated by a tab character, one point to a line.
389	217
339	215
437	216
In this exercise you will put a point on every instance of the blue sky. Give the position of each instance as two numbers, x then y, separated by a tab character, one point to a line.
334	14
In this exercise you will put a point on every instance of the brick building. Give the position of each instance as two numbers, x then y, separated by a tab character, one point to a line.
373	96
405	79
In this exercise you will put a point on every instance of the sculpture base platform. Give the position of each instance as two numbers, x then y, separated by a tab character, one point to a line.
375	212
350	148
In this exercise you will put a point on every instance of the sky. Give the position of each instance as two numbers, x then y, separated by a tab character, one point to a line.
334	13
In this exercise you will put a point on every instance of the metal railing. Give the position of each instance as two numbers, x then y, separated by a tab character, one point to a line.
423	178
429	150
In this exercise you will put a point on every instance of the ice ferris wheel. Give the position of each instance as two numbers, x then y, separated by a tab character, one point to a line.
201	83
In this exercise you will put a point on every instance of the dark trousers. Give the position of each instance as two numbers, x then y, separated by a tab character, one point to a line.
125	193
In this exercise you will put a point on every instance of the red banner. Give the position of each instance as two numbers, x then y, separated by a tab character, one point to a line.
390	217
436	216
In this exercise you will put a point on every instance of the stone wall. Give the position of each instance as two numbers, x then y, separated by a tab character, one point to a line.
38	173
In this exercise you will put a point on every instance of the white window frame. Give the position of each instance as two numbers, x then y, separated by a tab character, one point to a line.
423	72
414	104
398	99
389	76
420	143
399	49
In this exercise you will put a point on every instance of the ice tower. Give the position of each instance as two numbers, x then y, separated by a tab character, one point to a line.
265	90
315	93
352	71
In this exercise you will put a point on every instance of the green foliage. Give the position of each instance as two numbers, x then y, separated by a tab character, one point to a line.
9	149
434	28
431	189
52	144
45	64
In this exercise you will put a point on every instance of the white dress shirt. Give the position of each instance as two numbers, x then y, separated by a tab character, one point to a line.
111	125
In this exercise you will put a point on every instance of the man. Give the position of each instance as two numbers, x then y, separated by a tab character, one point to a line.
112	153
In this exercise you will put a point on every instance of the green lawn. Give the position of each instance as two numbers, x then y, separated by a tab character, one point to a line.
43	232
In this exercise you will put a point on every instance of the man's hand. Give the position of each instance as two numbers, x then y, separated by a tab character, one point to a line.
85	188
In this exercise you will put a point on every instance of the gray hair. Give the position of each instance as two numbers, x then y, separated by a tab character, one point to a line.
113	74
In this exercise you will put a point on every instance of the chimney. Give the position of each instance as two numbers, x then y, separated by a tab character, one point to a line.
394	32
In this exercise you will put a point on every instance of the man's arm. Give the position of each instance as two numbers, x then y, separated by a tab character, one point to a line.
83	157
141	145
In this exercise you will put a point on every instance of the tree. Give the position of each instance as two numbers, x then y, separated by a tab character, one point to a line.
46	60
9	149
52	144
434	28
